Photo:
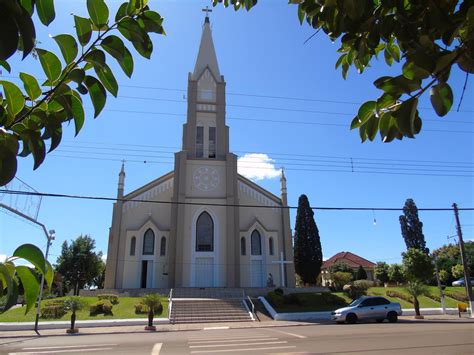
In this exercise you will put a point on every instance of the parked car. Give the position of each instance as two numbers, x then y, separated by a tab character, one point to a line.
461	282
368	307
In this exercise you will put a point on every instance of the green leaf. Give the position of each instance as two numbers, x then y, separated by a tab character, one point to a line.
12	287
107	78
30	284
385	101
8	35
372	126
14	98
33	255
441	98
50	63
96	57
8	162
115	47
97	93
366	111
77	75
83	29
4	64
74	109
98	11
145	47
405	117
301	14
27	32
388	57
68	46
121	12
341	59
412	71
45	10
53	130
28	6
131	30
48	278
31	85
135	6
152	22
397	85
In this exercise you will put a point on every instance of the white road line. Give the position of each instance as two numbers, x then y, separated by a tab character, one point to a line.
59	351
240	350
156	349
227	340
66	346
233	344
287	333
227	337
214	328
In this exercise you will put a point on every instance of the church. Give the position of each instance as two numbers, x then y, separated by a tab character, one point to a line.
203	224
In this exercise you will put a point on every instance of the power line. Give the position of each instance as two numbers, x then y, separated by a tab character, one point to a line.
114	199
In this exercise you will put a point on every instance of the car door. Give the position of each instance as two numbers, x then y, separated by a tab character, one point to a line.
366	309
380	307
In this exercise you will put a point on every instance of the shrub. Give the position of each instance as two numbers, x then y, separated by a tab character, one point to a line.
396	294
341	278
276	300
358	288
279	291
101	307
109	297
458	296
52	311
332	299
292	298
433	297
141	308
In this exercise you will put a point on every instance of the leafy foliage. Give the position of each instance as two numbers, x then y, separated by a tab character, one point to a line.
12	275
307	249
417	266
340	266
78	263
381	271
395	273
428	38
73	304
412	228
361	274
457	271
340	279
416	288
151	301
449	256
31	120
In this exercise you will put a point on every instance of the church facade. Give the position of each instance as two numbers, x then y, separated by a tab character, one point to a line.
205	225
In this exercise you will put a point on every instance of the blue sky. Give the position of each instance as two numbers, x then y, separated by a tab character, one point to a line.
260	53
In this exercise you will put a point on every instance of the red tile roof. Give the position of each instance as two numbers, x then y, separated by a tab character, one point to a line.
350	259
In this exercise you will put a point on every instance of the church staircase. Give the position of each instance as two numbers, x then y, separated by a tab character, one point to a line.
208	305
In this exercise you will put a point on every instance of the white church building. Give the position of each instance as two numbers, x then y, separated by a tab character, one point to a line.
204	225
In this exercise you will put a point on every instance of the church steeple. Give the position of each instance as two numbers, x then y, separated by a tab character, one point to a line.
207	54
284	192
121	182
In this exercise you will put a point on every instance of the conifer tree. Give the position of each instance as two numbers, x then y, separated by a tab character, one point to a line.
412	228
361	274
308	252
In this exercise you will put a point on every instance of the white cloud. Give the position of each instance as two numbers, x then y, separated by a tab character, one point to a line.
257	166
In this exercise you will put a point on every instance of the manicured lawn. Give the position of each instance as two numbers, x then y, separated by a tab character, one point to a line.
314	302
125	309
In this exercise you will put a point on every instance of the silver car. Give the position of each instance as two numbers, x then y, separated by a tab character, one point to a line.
368	307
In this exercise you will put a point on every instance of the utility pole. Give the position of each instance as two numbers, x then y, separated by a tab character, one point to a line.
467	278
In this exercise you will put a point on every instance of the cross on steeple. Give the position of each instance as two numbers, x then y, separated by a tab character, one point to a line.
207	10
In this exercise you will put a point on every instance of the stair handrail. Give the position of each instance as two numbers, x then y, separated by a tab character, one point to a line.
170	303
253	309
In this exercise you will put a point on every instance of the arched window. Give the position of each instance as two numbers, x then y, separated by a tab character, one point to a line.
133	244
270	246
204	233
256	243
243	247
149	243
163	246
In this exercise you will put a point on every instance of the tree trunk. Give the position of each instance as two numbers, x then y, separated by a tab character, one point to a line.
73	320
150	318
417	305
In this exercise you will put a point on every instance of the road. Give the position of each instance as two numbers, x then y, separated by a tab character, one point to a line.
400	338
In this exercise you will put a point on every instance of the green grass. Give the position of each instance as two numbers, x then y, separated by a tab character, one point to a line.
313	302
125	309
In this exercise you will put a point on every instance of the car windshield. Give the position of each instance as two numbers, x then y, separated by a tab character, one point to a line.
356	302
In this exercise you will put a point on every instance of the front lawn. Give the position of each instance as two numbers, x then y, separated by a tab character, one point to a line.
124	310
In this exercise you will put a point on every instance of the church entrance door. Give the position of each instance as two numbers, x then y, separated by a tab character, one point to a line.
204	272
147	274
257	273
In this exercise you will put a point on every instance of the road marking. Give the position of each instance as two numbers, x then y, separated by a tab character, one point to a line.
66	346
233	340
59	351
227	337
156	349
240	350
233	344
214	328
287	333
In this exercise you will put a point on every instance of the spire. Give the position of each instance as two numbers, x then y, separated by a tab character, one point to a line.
207	54
283	187
121	182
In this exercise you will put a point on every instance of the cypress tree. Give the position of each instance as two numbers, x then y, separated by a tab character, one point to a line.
361	274
412	227
308	252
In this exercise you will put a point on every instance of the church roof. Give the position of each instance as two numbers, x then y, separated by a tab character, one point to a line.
149	186
352	260
207	54
260	189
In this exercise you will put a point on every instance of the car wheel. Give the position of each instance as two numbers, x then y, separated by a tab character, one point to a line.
351	318
392	317
379	320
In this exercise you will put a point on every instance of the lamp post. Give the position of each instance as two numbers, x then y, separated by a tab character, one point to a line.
50	236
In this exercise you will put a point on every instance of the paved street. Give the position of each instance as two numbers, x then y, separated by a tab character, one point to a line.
400	338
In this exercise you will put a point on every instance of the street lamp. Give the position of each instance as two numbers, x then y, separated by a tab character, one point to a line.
50	236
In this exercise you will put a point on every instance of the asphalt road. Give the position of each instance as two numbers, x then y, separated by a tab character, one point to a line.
399	338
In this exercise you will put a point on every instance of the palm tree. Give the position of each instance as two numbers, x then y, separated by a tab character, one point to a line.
152	301
415	289
73	304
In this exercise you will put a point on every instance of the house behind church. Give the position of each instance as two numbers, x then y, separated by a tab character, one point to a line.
352	260
203	225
